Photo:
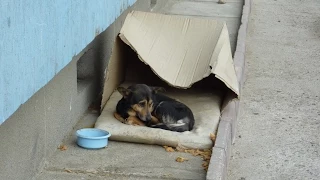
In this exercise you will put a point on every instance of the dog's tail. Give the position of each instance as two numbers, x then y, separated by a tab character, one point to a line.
166	127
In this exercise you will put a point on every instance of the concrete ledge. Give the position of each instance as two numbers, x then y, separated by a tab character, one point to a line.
229	115
223	140
227	126
217	165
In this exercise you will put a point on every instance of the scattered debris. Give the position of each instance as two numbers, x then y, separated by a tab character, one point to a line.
205	154
92	171
179	149
212	137
221	2
205	165
68	170
62	147
194	152
181	159
166	176
168	149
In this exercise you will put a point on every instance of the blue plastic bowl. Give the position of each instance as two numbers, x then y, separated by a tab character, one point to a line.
92	138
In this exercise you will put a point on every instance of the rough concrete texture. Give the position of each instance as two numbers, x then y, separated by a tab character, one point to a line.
278	127
220	162
119	161
34	131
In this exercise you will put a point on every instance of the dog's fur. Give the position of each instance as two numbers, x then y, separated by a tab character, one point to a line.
144	105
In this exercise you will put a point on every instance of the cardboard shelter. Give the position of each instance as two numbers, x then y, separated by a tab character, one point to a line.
190	57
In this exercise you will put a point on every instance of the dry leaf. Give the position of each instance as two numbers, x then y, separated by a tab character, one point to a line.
93	171
168	149
205	154
198	152
180	149
206	157
62	147
205	164
206	168
207	150
68	170
212	137
181	159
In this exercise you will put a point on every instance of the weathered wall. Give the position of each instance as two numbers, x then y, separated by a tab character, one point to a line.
39	38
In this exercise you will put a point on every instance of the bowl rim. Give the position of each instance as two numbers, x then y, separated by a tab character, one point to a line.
94	129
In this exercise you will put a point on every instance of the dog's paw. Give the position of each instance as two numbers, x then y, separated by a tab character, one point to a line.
154	120
134	121
119	118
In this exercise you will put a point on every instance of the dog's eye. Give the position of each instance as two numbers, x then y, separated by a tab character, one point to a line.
142	104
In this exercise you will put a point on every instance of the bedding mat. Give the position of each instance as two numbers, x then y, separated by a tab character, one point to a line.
204	104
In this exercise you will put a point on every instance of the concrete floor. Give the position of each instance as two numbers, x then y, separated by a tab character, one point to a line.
118	161
136	161
278	128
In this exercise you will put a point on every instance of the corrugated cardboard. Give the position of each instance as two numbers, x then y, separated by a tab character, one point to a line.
180	50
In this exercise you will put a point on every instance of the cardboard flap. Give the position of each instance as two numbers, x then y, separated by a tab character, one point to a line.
181	50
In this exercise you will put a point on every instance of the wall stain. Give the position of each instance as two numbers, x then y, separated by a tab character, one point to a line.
97	32
9	21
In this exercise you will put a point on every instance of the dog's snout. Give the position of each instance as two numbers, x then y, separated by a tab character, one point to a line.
145	118
148	117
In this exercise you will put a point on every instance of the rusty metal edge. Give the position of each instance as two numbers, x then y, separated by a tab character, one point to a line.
221	151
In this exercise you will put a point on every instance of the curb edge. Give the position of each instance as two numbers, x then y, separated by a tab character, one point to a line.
221	151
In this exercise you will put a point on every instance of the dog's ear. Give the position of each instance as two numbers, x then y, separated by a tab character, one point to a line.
124	91
157	89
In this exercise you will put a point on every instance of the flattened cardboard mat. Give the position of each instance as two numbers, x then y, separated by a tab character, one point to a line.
179	51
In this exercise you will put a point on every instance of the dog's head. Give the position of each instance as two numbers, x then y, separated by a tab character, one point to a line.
140	98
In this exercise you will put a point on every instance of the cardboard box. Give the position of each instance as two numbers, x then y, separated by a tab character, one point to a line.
189	56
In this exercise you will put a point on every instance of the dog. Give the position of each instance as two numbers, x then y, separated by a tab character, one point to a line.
143	105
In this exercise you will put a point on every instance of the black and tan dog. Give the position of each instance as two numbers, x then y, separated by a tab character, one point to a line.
143	105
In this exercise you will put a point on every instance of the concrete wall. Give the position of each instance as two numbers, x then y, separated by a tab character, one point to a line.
39	38
31	134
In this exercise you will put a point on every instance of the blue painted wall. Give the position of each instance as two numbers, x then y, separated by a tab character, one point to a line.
39	37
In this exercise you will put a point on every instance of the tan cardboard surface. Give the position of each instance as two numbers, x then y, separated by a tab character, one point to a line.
181	50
